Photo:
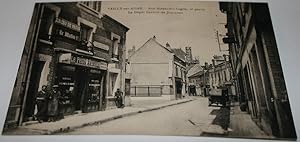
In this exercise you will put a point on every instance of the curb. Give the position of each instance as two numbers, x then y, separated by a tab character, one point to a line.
67	129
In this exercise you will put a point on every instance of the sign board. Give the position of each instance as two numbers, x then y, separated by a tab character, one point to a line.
68	58
101	45
67	29
67	24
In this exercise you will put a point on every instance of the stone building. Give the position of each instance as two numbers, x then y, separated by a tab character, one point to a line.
74	46
256	67
158	71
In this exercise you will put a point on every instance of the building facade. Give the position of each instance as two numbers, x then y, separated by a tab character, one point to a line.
256	67
74	46
220	73
160	76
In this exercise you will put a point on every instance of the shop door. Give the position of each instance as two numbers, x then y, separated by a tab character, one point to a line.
81	75
33	89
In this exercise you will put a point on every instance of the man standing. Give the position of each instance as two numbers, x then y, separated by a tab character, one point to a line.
41	101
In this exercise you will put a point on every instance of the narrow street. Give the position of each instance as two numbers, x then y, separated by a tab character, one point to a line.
188	119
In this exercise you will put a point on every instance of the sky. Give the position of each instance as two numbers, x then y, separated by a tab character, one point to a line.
194	25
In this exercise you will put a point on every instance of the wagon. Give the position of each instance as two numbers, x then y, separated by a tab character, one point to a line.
218	96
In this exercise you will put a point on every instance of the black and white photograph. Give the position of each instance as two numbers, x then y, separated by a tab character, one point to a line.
157	68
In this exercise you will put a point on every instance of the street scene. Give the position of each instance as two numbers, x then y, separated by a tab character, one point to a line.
151	68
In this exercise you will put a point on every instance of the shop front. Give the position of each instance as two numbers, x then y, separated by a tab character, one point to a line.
81	81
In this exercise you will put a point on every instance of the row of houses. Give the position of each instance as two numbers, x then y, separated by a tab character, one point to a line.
216	75
256	67
79	49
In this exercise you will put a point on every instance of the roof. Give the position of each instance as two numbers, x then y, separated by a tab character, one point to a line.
197	74
179	53
195	69
153	39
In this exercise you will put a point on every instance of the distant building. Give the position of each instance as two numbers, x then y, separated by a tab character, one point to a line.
189	57
158	70
198	77
256	67
220	73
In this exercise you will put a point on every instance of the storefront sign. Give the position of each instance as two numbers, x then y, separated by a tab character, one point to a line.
67	34
68	58
88	63
67	24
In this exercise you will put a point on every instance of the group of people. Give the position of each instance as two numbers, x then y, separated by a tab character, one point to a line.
48	104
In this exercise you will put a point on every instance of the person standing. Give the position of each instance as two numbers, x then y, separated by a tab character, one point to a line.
119	99
53	103
41	101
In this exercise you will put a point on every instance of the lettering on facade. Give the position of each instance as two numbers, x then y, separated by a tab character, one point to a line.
88	63
68	35
67	24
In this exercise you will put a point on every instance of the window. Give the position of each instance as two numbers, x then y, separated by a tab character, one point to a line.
116	43
87	29
85	32
176	71
47	23
95	6
115	47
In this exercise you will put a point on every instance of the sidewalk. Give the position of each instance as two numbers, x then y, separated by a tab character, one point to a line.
243	126
84	119
218	125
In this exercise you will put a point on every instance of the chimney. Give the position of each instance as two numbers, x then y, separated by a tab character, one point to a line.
167	45
213	62
154	37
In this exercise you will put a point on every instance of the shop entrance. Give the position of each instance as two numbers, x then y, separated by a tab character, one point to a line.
81	79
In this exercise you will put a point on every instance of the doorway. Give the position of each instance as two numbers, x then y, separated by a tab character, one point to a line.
36	71
81	85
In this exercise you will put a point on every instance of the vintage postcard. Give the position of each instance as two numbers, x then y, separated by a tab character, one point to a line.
173	68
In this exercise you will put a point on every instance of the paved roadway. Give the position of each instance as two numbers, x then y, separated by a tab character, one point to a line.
188	119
